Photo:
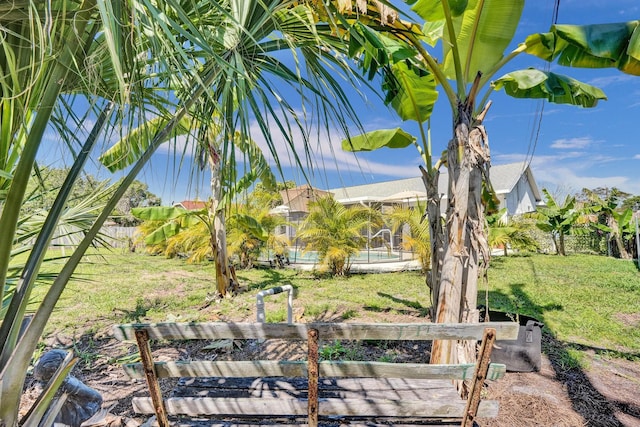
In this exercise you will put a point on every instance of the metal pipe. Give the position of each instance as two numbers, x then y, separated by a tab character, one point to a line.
278	289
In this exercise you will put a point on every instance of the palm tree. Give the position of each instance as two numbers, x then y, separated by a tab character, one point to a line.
417	240
241	51
44	45
335	232
505	232
52	54
474	36
252	226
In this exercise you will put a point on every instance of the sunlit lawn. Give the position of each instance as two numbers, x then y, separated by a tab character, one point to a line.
583	299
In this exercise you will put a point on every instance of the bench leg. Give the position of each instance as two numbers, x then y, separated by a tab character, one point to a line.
142	337
313	374
482	366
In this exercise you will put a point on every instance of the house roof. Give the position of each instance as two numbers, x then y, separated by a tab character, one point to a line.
191	205
297	199
503	178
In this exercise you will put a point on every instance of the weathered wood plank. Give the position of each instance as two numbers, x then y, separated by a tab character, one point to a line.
272	368
353	384
268	407
392	422
328	331
294	388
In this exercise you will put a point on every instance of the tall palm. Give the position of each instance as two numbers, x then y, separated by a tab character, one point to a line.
417	240
335	232
206	145
474	36
270	65
49	52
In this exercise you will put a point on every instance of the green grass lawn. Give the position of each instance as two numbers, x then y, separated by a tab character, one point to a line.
586	300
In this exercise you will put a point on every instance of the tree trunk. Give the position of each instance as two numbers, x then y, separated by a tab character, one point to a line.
436	235
466	250
224	282
617	237
555	242
561	244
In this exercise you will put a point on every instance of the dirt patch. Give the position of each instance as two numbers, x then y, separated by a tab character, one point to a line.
628	319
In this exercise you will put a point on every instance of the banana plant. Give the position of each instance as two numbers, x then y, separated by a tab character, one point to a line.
474	36
558	219
223	186
617	222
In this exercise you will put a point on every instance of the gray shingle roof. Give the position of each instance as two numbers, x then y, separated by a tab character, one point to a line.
503	177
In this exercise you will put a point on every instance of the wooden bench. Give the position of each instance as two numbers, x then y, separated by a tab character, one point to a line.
263	392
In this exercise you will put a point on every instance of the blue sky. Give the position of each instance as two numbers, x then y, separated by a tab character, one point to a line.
575	147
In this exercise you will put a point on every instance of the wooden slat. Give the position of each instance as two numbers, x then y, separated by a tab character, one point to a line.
329	423
351	384
268	407
404	423
294	388
328	331
272	368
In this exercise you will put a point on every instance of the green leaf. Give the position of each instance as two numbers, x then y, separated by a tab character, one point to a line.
161	234
590	46
432	32
553	87
390	138
158	213
483	32
130	148
431	10
410	91
254	227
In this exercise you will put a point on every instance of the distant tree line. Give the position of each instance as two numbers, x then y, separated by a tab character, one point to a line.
45	183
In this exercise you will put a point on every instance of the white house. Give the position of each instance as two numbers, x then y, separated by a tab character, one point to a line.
513	183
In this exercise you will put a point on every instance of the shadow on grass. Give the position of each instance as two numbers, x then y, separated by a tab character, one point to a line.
273	278
597	409
415	305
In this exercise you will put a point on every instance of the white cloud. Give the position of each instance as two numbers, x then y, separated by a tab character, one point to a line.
179	146
637	157
603	82
572	143
326	154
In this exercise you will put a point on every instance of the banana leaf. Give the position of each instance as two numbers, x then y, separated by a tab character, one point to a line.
370	141
253	226
482	34
410	91
553	87
590	46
